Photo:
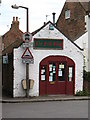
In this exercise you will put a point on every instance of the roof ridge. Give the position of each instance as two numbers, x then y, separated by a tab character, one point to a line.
58	30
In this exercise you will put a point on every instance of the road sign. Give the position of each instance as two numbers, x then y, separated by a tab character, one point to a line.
30	61
5	59
27	54
28	44
27	37
27	57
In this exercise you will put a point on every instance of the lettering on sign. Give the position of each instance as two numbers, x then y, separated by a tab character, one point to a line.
48	43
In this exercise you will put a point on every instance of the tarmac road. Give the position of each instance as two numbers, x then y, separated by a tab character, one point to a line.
54	109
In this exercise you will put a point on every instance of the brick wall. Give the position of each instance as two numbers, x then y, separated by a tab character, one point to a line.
86	86
13	34
11	39
0	45
73	27
7	75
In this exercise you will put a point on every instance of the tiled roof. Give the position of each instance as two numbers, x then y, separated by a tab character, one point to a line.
10	48
85	5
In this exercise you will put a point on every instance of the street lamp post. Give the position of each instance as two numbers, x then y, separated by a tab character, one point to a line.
27	30
27	15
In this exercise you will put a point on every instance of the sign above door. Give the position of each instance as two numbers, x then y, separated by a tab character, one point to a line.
48	43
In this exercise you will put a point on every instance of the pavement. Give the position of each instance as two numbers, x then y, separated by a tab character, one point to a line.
7	99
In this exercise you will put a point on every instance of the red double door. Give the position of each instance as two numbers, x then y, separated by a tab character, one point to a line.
56	76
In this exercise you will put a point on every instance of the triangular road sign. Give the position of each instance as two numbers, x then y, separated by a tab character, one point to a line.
27	54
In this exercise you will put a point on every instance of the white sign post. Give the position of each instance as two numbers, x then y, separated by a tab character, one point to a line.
27	57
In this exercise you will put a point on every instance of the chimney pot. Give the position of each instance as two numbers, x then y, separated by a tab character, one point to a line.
44	23
53	17
15	23
13	19
16	19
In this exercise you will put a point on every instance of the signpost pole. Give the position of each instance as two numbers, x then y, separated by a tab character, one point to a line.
27	30
27	79
27	64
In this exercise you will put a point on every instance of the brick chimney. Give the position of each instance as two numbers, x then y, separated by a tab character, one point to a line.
15	24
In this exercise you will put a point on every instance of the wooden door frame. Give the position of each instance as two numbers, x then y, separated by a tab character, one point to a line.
67	62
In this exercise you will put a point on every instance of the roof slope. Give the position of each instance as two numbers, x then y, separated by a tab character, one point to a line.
84	3
10	48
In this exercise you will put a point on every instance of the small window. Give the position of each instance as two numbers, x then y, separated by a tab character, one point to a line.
43	73
67	14
61	72
70	74
52	72
51	27
2	46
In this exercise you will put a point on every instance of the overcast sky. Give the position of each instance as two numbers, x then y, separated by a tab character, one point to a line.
38	9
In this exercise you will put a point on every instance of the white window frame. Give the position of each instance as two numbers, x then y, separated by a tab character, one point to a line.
67	14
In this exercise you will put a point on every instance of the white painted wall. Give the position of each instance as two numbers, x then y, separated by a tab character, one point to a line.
70	50
86	21
84	43
88	43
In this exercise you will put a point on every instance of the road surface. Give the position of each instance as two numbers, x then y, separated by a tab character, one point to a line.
55	109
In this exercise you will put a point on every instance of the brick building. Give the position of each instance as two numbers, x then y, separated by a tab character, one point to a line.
10	40
72	19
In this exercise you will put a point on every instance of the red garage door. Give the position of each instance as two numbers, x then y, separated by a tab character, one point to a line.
56	75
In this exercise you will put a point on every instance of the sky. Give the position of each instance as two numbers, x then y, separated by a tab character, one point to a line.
38	9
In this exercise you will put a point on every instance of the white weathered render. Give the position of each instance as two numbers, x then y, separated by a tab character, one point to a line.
84	43
69	50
